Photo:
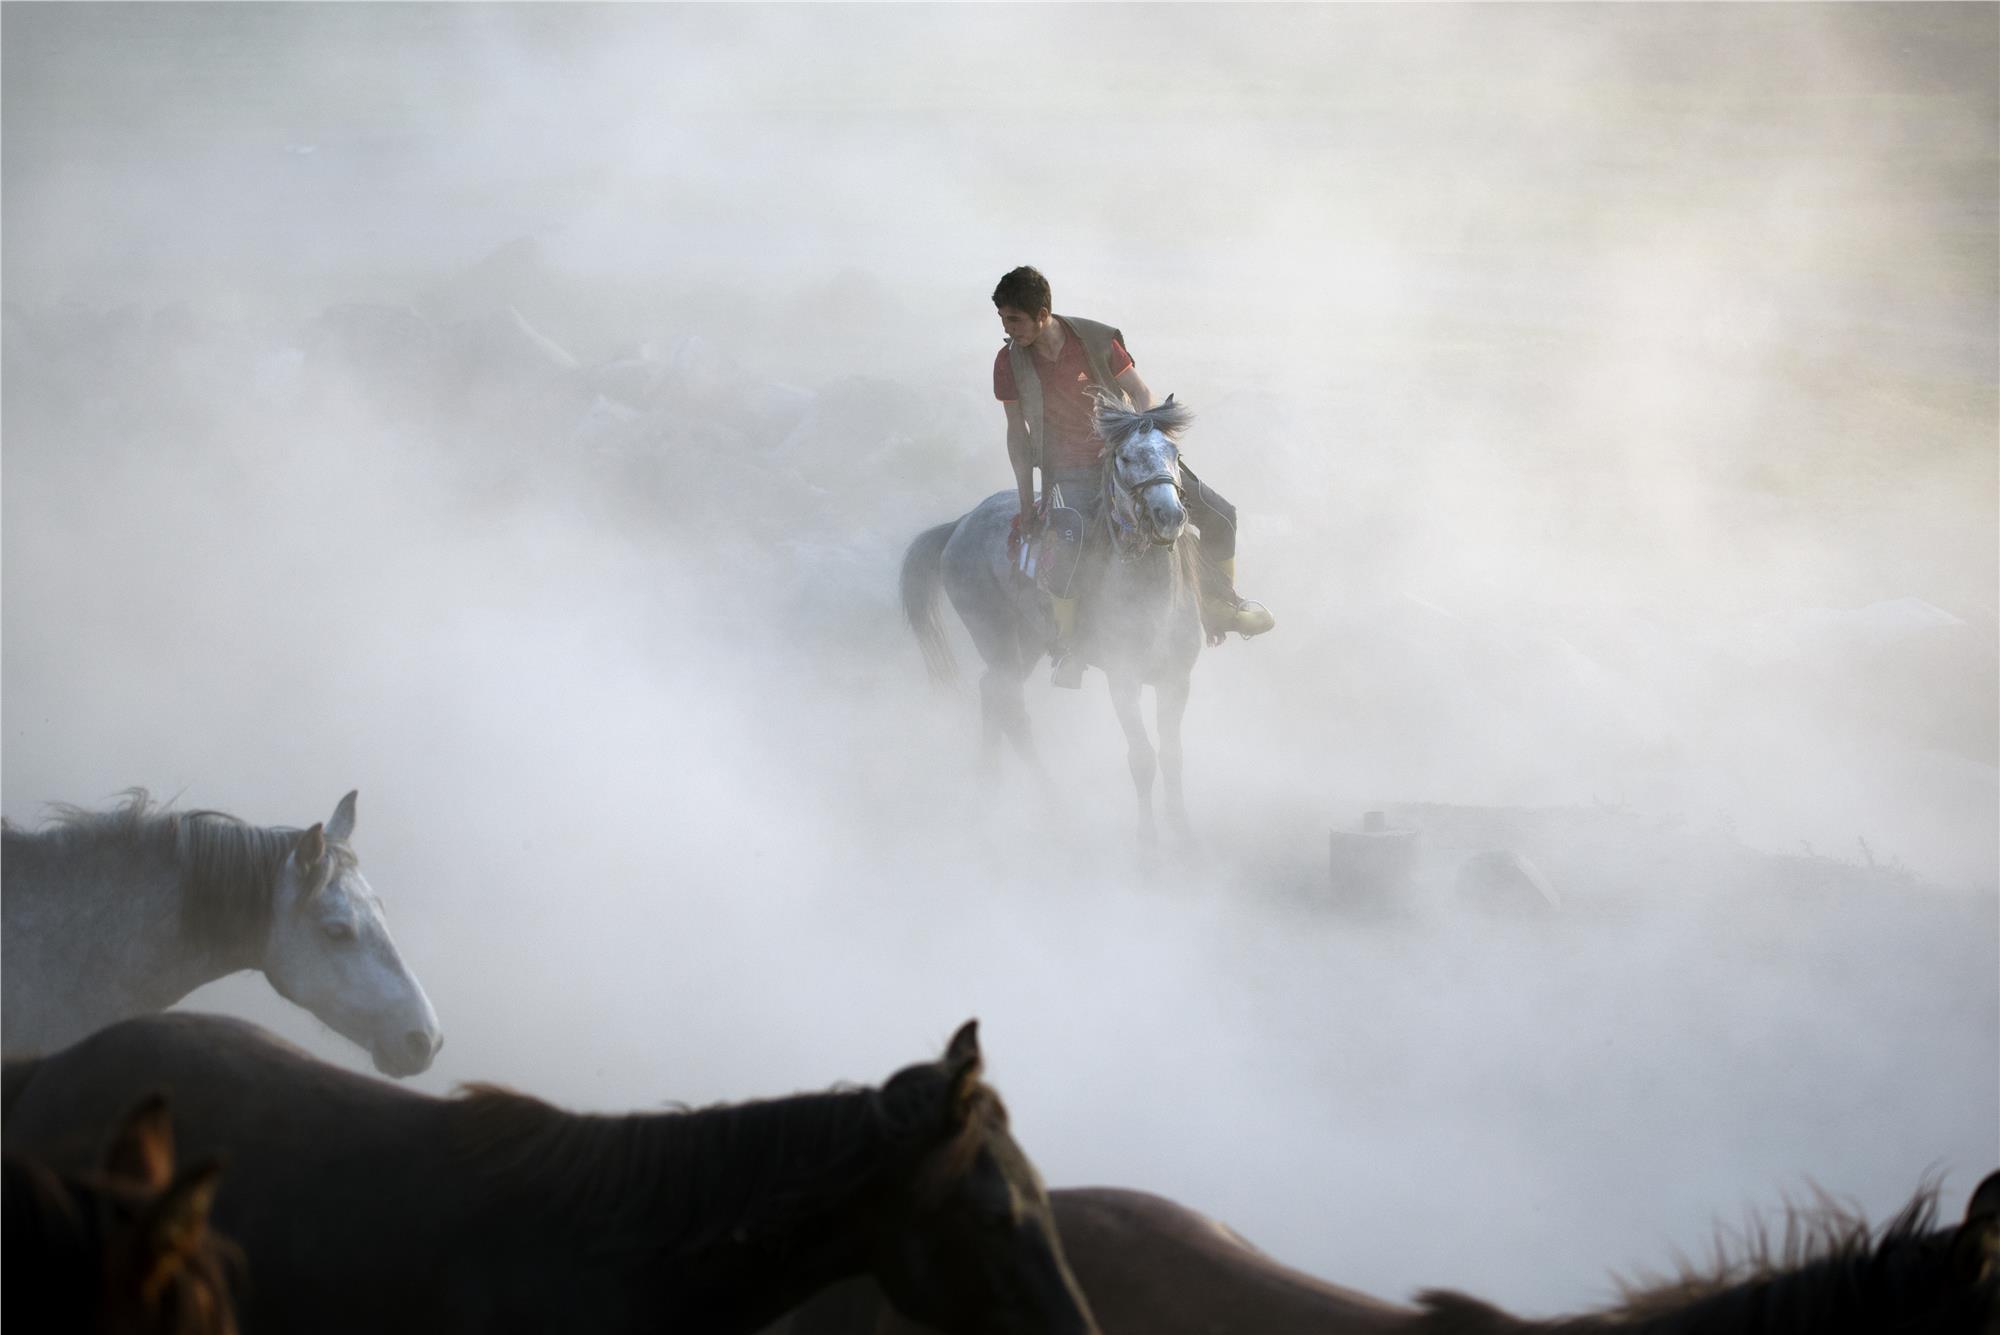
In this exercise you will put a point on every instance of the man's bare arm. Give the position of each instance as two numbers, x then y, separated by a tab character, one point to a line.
1018	454
1135	388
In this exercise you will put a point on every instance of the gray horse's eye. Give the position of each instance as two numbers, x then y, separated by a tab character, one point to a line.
337	931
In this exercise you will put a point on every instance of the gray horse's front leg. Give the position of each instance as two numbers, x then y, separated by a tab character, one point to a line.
1138	752
1169	704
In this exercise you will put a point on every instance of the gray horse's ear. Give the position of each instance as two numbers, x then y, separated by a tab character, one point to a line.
310	848
341	827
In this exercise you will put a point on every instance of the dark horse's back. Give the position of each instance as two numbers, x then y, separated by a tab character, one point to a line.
306	1145
221	1072
1150	1266
15	1072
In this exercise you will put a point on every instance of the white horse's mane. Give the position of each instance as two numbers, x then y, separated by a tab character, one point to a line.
228	866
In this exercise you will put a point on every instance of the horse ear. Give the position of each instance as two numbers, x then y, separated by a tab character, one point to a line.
342	825
963	1064
142	1149
1985	1202
175	1226
309	852
1976	1246
964	1046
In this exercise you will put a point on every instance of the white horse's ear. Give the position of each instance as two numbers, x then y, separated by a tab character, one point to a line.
310	848
341	827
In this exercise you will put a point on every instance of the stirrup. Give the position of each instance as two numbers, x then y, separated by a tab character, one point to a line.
1068	673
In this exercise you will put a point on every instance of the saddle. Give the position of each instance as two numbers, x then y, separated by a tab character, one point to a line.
1050	558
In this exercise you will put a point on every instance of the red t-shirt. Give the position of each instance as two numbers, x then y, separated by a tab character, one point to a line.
1068	410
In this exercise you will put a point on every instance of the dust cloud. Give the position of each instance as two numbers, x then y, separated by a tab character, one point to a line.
519	412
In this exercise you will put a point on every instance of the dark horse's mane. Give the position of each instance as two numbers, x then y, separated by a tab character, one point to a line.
228	867
681	1180
1828	1272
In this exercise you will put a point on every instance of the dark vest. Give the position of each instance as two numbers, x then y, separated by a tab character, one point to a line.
1096	340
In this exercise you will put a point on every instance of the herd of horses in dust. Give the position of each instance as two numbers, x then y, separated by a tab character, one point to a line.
173	1173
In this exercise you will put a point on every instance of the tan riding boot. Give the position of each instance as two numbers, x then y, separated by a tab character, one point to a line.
1227	611
1068	673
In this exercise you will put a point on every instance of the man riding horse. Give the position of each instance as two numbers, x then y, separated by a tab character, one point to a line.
1049	377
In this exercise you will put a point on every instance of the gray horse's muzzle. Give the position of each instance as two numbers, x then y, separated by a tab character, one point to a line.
1166	517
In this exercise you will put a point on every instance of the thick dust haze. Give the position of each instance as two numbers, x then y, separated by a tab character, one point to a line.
519	413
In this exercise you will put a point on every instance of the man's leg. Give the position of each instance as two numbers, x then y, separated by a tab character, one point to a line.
1222	608
1076	650
1082	492
1065	614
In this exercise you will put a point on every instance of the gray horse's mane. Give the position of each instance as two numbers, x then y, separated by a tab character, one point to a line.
1118	423
228	867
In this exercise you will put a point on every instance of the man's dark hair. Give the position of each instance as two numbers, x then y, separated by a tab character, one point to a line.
1024	289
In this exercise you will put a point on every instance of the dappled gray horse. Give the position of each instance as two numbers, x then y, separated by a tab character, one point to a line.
111	914
1142	616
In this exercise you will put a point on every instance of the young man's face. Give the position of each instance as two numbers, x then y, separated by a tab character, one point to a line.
1022	327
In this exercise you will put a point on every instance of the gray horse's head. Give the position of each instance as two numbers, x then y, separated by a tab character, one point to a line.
1143	460
330	951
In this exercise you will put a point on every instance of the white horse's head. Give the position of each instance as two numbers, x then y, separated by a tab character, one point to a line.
330	951
1145	466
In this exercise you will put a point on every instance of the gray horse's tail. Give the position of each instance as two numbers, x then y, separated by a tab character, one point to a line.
923	581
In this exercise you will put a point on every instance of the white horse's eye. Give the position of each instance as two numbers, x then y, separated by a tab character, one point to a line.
337	931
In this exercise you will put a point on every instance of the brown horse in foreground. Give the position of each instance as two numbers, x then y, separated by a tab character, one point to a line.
124	1251
1151	1267
362	1206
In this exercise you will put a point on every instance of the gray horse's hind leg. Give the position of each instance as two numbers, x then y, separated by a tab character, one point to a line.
1003	706
1003	714
1138	752
998	609
1169	704
992	723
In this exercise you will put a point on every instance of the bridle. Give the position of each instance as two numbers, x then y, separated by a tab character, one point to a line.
1121	512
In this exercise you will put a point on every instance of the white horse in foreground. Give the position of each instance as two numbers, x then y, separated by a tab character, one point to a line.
110	914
